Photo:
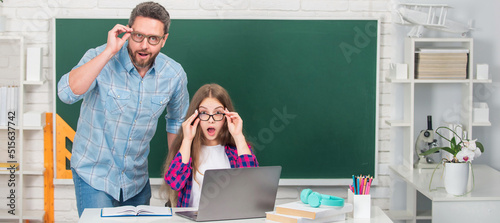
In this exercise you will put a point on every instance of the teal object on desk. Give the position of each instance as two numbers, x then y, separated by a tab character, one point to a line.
315	199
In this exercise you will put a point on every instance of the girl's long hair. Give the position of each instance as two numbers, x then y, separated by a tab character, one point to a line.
206	91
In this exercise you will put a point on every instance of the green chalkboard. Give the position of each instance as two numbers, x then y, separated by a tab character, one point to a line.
306	89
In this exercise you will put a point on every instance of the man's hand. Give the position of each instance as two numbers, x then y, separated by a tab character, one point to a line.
115	43
81	78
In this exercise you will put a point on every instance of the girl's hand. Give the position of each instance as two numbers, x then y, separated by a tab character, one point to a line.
234	123
235	127
189	126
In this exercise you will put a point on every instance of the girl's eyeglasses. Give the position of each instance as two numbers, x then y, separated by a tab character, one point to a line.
218	116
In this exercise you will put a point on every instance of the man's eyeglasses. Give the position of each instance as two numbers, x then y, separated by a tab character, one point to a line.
218	116
152	39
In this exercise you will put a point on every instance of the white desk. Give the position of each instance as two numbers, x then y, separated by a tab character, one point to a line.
93	215
481	205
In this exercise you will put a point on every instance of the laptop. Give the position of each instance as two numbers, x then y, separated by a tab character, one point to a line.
236	193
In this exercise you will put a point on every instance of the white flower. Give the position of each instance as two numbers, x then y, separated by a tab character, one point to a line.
465	155
471	145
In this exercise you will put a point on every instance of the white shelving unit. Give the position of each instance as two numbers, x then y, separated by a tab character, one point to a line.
17	48
411	109
409	87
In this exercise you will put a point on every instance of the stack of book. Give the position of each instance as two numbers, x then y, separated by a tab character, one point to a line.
9	166
9	100
441	63
298	212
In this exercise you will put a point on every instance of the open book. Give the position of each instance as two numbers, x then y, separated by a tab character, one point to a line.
141	210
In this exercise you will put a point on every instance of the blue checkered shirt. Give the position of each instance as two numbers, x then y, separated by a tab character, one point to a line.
118	118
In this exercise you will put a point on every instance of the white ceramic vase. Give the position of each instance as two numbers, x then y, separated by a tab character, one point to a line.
456	177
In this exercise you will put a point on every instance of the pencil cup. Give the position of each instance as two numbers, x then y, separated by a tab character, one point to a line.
361	204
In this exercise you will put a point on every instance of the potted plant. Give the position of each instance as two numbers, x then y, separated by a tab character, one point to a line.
461	153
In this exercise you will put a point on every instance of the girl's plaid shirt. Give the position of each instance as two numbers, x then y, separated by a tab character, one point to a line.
179	177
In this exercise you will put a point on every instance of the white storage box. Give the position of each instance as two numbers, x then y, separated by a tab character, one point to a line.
34	118
480	112
399	71
482	71
33	63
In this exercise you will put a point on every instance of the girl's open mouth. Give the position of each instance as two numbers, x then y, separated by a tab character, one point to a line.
211	131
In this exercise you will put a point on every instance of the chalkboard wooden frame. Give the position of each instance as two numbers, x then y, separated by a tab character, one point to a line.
351	48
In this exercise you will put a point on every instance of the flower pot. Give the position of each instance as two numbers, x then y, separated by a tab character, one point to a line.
456	177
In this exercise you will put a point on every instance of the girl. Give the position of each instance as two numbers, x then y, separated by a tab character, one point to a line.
211	138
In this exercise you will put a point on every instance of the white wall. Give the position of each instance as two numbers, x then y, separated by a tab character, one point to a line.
32	19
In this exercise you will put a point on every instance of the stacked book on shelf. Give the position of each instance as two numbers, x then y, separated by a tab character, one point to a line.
9	100
7	167
298	212
441	63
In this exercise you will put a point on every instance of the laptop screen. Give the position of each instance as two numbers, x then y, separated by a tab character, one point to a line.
238	193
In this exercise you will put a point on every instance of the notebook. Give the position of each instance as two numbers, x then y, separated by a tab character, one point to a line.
236	193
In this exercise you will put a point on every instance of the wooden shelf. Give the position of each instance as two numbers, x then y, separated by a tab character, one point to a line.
403	81
424	215
476	81
481	124
6	172
437	81
34	172
442	40
25	172
442	81
27	215
63	182
33	127
6	216
33	82
398	123
24	127
33	215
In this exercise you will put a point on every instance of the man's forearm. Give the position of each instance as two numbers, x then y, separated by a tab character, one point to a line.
82	77
170	139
